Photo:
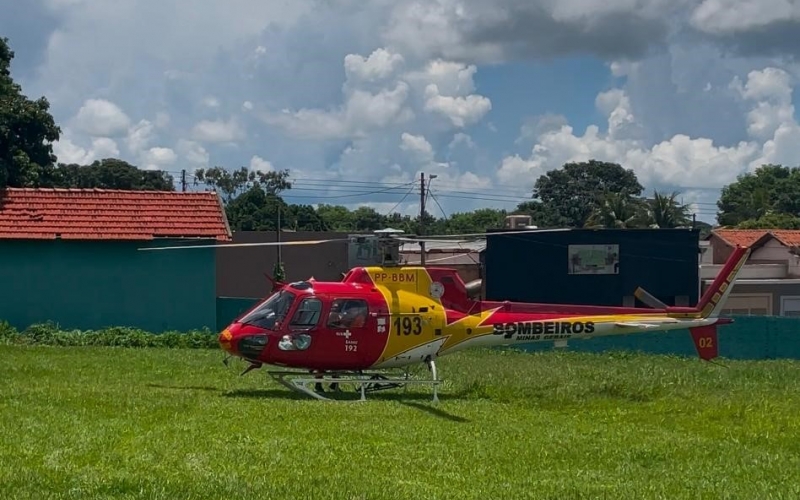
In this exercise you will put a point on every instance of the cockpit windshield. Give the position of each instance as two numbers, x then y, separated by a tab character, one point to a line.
271	313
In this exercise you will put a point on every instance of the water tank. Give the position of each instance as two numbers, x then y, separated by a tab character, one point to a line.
518	221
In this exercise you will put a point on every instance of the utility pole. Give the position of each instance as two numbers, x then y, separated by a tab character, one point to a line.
422	217
183	180
278	234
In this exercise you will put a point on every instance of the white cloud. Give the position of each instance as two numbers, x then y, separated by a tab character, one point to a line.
417	145
101	118
218	131
159	158
362	113
732	16
680	161
350	90
193	153
101	147
260	164
139	136
461	111
380	65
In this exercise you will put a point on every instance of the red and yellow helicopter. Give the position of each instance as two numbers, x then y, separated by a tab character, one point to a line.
393	316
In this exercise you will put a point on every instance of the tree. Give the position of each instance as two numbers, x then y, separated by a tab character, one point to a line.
616	210
665	211
574	191
770	189
27	131
476	221
335	217
233	184
542	215
772	221
110	173
256	210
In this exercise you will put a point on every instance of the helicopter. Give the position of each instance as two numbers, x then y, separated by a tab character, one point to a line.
393	316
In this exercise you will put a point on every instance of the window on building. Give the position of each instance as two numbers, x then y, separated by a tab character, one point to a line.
748	304
754	311
348	313
790	306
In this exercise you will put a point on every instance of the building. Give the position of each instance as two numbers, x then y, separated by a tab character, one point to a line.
601	267
241	271
770	282
464	257
72	256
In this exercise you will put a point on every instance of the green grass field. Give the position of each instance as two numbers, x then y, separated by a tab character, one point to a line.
83	422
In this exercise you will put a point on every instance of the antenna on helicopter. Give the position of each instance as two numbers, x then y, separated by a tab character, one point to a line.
389	246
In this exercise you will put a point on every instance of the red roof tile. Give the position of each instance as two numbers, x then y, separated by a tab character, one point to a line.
92	214
789	237
749	237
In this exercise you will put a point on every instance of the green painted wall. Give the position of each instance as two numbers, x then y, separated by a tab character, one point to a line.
749	337
230	308
94	284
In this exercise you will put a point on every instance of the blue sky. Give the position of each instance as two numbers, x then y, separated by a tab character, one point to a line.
356	98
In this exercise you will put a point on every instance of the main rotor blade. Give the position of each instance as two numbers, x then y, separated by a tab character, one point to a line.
457	237
236	245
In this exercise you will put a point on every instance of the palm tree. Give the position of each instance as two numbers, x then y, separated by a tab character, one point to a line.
665	211
615	210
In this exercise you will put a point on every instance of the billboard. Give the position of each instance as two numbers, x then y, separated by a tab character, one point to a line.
593	259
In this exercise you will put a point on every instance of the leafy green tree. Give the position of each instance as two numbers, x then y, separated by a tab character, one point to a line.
335	217
616	210
257	210
234	183
770	189
574	191
772	221
665	211
27	131
304	218
110	173
477	221
542	215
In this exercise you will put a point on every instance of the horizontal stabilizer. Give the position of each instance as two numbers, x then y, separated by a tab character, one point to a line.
654	324
705	341
646	298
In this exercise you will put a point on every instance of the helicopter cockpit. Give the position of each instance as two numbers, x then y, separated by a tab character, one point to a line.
270	314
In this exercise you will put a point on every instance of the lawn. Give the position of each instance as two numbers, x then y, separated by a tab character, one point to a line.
93	422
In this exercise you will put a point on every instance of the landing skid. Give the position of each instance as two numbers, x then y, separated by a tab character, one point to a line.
363	381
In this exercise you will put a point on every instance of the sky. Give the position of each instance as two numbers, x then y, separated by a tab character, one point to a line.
357	98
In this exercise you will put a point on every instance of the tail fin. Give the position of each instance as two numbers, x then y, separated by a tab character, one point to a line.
705	341
712	302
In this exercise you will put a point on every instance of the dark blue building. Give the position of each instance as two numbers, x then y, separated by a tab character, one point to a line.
593	266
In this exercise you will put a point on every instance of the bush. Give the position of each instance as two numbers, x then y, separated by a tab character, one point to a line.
50	334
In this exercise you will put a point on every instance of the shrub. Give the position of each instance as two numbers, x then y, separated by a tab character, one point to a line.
51	334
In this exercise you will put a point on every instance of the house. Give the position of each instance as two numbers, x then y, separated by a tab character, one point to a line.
464	257
770	281
72	256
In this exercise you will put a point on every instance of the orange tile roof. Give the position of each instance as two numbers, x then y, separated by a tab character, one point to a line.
749	237
92	214
789	237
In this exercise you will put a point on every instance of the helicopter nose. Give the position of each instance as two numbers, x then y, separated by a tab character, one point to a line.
225	341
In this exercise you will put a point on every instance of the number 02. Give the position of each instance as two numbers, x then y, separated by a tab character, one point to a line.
705	342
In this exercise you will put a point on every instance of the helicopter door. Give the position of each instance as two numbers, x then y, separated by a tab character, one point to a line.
348	321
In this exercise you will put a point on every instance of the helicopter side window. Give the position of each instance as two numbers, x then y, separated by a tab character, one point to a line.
348	313
307	314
